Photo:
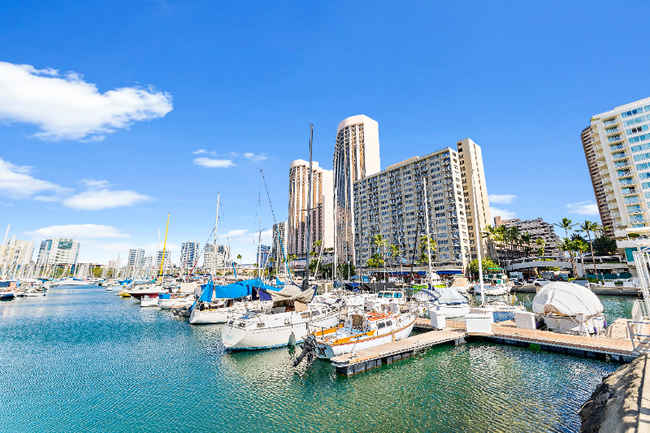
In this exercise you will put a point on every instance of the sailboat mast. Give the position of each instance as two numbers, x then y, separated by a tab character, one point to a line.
426	214
477	245
259	237
305	284
214	251
164	250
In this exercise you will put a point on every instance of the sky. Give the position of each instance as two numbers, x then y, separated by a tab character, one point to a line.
114	114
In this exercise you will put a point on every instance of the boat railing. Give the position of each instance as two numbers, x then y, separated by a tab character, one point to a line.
635	330
640	311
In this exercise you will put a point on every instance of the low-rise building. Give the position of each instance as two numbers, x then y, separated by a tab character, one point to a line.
538	229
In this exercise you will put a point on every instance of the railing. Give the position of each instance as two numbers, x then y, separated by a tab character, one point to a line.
635	327
610	122
640	311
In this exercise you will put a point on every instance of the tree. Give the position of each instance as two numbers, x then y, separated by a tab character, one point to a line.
567	225
527	240
569	246
381	243
605	246
424	242
540	242
486	263
582	247
589	227
491	234
239	257
375	261
395	253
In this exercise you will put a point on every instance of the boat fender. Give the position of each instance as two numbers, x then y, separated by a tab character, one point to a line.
292	339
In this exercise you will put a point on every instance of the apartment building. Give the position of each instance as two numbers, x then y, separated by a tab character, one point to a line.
322	225
16	253
356	157
537	228
190	252
391	203
136	258
595	167
168	259
222	256
58	250
263	255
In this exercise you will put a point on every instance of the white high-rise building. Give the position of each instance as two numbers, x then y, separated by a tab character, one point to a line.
620	141
136	258
356	156
189	254
391	203
279	245
168	259
322	225
58	250
222	256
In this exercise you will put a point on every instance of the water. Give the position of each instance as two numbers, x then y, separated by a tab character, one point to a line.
83	359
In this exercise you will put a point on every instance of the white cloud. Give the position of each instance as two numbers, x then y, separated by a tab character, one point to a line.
501	198
103	199
68	108
254	157
235	233
205	152
214	163
583	208
79	231
16	182
503	213
91	183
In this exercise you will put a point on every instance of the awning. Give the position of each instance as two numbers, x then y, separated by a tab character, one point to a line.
449	272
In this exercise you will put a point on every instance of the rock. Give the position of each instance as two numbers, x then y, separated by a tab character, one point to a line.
614	404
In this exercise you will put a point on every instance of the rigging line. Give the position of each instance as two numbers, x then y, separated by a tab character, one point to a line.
284	256
200	252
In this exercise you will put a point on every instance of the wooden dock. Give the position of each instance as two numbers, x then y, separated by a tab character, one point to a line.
614	346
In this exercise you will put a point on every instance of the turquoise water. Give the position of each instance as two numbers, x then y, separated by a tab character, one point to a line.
83	359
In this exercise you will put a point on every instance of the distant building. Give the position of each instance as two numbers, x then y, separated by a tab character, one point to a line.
597	181
189	254
263	254
322	224
168	259
112	264
58	250
537	228
16	253
356	156
279	244
136	258
222	256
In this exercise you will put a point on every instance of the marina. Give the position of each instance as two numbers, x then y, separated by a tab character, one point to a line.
150	368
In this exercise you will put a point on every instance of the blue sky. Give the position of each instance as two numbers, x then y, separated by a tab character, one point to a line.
99	132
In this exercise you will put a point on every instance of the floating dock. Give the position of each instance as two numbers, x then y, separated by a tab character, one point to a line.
615	346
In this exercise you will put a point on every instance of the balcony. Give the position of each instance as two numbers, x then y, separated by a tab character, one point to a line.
624	173
618	155
626	181
611	131
632	200
622	164
610	197
629	191
613	121
615	147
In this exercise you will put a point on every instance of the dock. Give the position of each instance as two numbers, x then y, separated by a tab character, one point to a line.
615	346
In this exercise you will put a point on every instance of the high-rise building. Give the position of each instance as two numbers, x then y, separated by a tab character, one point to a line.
168	259
474	192
322	225
208	256
58	250
356	156
391	203
222	256
279	245
620	139
16	253
136	258
537	228
263	255
596	181
189	254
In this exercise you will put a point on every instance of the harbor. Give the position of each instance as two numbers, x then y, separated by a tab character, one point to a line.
109	365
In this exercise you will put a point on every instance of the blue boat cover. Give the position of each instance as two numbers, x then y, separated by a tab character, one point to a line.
5	283
236	290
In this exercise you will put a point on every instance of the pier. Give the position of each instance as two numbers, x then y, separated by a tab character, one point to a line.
615	346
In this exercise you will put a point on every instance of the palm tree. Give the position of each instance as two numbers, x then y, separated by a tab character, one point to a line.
568	246
426	241
381	243
582	247
540	242
589	227
490	233
567	225
395	252
526	240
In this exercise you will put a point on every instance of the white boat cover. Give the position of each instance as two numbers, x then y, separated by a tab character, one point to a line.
188	287
444	295
566	299
292	293
460	282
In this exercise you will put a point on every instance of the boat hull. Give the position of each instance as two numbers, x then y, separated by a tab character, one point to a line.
7	296
329	351
210	317
148	302
238	338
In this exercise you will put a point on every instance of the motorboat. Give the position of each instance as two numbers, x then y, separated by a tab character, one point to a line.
73	282
290	319
446	300
361	331
149	290
569	308
495	285
461	284
6	294
383	299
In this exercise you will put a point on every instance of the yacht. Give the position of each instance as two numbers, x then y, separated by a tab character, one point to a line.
361	331
447	300
291	318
